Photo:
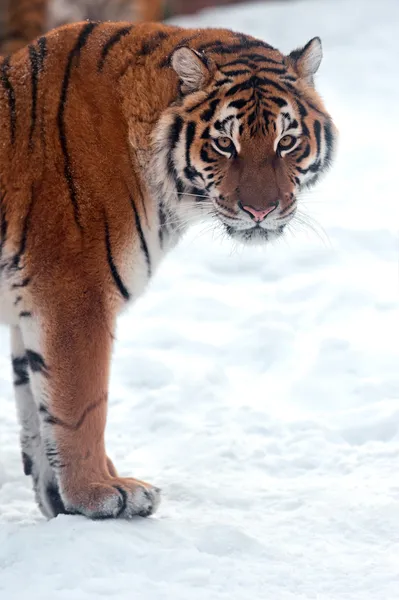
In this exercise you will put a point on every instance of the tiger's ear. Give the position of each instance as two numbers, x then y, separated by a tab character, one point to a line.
194	69
306	60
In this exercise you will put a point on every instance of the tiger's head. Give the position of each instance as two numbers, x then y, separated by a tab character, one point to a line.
246	135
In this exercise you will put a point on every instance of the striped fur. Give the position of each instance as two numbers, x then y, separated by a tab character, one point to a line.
115	137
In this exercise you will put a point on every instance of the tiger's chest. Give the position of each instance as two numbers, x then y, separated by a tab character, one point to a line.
133	270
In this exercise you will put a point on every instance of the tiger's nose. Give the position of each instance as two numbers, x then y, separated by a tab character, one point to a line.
258	215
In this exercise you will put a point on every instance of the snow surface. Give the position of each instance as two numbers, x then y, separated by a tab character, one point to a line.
258	388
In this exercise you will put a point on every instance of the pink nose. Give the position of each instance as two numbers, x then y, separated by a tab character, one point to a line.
258	215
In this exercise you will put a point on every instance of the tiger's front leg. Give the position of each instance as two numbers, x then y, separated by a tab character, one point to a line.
69	359
34	459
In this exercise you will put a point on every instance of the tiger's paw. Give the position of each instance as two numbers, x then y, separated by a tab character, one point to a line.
113	498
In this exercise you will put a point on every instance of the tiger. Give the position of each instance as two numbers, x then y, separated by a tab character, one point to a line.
115	139
21	21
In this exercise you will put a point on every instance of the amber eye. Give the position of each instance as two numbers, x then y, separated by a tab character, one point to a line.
225	144
286	142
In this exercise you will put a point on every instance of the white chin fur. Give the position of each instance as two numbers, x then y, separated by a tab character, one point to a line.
255	236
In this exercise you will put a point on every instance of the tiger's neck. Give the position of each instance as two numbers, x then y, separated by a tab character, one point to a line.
148	87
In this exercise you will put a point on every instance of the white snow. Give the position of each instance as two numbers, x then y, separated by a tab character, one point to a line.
258	388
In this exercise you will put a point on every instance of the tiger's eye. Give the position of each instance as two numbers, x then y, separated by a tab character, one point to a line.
225	144
286	142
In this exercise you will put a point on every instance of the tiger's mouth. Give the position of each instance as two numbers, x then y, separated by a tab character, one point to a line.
255	234
246	230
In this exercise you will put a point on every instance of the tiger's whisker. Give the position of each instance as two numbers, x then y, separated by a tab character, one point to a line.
195	195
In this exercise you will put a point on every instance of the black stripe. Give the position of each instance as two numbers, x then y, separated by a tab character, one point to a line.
317	131
112	267
24	313
54	499
251	43
114	39
23	283
223	48
174	132
179	185
174	136
251	118
247	59
202	102
36	362
304	154
3	226
279	101
144	207
205	156
36	62
162	223
190	134
206	133
34	76
143	243
266	117
238	103
240	87
42	43
74	53
290	78
302	109
27	463
313	168
25	229
222	82
273	70
243	61
52	420
123	502
4	76
255	82
52	454
150	45
20	368
252	103
208	113
303	113
221	125
329	140
189	171
260	58
237	72
286	88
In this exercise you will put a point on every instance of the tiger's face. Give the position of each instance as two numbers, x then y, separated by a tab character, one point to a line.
246	137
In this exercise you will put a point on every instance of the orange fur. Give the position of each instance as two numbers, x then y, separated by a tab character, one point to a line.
78	110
